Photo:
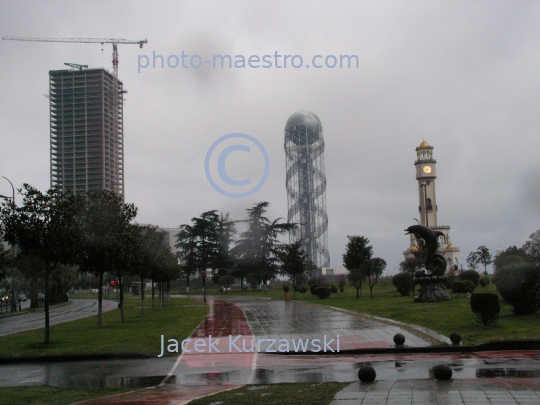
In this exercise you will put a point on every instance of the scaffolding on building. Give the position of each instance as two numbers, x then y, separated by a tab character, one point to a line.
86	125
306	185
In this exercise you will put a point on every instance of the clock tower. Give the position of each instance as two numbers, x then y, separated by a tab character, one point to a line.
426	173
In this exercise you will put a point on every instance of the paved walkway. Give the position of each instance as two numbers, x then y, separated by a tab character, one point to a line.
432	392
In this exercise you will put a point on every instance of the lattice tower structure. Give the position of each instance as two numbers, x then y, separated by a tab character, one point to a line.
306	185
86	125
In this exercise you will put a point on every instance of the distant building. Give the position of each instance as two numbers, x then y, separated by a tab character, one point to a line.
87	136
426	175
332	273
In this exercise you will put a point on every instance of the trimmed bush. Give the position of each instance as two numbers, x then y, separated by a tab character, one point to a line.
333	289
302	289
519	286
403	283
485	307
322	292
461	287
471	275
484	282
286	288
313	289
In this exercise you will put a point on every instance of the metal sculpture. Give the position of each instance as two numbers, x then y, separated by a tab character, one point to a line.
432	283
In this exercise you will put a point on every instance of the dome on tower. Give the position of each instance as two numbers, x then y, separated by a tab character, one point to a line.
303	127
424	144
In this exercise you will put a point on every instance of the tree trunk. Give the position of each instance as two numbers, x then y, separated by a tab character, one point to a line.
371	291
357	292
47	326
142	296
153	306
204	286
100	300
120	285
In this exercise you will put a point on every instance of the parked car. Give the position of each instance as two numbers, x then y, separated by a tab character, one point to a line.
22	297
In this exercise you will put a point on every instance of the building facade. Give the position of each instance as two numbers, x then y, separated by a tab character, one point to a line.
306	185
86	125
426	173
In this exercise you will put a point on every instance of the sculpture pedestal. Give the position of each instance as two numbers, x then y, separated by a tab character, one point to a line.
431	289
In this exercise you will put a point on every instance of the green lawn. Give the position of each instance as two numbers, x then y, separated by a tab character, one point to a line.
53	395
443	317
276	394
139	334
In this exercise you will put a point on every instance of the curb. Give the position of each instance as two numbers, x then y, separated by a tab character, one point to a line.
74	357
494	345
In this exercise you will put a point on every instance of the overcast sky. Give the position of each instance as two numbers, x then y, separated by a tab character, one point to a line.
462	75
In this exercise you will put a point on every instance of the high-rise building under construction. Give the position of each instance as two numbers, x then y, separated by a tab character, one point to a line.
306	184
87	140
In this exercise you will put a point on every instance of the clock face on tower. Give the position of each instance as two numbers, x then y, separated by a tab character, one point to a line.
427	169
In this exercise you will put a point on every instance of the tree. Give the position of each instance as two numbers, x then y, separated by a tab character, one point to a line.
105	222
372	269
473	260
511	255
6	258
187	251
356	253
412	264
342	281
257	249
532	247
47	226
484	257
293	262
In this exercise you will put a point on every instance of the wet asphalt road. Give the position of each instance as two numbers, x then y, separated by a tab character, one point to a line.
77	309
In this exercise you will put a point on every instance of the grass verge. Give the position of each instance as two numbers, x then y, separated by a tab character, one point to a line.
276	394
139	334
53	396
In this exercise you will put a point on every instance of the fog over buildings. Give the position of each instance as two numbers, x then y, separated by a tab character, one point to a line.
461	75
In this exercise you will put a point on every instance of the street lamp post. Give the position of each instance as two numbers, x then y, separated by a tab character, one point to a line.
13	302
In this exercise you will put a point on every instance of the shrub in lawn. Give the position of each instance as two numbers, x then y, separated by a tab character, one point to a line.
286	288
333	289
461	287
313	289
342	282
471	275
302	289
322	292
519	286
403	283
485	307
484	282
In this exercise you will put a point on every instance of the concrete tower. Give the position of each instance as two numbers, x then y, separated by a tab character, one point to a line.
306	184
87	143
426	173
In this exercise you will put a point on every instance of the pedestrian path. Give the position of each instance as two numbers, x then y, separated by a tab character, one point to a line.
432	392
294	320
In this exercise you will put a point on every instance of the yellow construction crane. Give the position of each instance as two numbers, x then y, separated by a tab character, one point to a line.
113	41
